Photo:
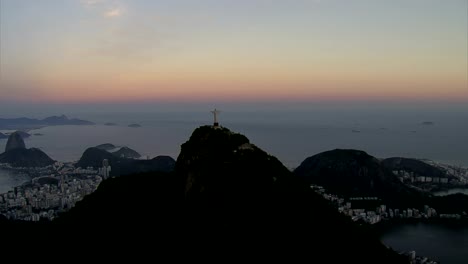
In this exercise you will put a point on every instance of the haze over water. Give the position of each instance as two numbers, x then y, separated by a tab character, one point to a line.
291	135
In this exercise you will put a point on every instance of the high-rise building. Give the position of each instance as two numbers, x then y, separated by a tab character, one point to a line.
105	170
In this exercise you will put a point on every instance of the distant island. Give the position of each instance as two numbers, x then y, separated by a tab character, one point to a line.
38	134
110	124
427	123
134	125
24	123
3	136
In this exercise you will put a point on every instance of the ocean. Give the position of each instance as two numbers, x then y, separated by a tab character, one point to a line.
290	136
9	179
446	243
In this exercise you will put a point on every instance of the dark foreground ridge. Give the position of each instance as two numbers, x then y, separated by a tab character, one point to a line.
226	198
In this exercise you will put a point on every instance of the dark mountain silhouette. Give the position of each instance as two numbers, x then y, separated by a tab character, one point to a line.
226	199
23	134
106	146
134	125
355	173
126	152
93	157
237	192
122	152
29	123
64	120
3	136
15	141
419	168
21	157
17	155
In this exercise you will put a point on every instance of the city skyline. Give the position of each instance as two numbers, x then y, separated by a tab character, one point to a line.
88	51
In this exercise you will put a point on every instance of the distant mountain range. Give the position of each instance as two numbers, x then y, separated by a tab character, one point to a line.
31	123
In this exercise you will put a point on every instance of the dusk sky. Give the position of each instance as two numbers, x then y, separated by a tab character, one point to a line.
82	51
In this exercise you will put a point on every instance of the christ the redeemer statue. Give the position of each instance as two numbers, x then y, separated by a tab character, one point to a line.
215	115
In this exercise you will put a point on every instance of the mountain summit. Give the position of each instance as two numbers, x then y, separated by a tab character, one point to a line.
221	163
17	155
352	172
237	192
15	141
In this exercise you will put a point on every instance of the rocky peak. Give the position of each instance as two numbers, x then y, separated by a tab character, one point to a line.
15	141
220	163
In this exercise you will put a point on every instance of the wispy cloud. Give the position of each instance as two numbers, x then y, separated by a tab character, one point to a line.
107	8
114	12
91	3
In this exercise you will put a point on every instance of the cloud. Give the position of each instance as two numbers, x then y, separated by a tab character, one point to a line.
114	12
107	8
91	3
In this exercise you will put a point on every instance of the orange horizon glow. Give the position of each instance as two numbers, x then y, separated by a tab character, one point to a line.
325	50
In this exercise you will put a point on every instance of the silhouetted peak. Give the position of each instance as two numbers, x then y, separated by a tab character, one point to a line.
22	157
126	152
218	161
15	141
106	146
352	173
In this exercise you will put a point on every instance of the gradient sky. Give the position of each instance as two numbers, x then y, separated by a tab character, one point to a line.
130	51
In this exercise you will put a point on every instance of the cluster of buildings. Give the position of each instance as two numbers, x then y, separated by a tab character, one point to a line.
378	214
456	176
53	190
410	177
418	259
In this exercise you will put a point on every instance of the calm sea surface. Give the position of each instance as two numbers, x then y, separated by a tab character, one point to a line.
451	191
8	180
445	243
289	136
